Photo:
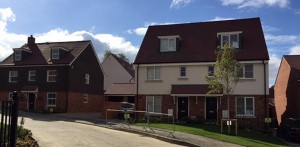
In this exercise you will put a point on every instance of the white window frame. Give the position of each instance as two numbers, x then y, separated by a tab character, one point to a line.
18	55
48	75
85	98
208	72
243	76
155	69
51	98
159	99
228	34
10	95
180	72
11	75
30	75
245	107
87	79
168	38
55	53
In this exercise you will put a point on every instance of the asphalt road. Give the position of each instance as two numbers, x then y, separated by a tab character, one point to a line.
55	133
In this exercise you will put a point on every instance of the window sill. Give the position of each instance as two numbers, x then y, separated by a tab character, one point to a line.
183	78
153	80
51	81
211	77
51	105
247	79
13	82
249	116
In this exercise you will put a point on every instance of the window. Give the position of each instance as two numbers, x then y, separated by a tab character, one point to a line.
115	99
13	76
245	106
153	104
85	98
182	71
51	98
51	76
87	79
153	73
168	44
232	39
18	55
55	53
246	72
10	95
211	70
31	75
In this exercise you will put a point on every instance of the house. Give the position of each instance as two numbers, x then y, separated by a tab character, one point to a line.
287	88
54	76
174	60
116	70
272	110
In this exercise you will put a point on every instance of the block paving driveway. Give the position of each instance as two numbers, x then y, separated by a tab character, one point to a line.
59	133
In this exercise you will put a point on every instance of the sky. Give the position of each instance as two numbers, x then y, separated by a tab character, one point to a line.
120	25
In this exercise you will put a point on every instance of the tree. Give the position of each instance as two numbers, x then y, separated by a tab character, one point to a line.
120	55
228	71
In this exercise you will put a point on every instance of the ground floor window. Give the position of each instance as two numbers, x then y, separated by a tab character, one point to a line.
115	98
153	104
51	99
244	106
85	98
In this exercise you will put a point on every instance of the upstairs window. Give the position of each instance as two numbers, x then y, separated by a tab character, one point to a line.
18	55
13	76
182	71
87	79
55	53
231	38
211	71
51	75
247	71
153	73
32	75
169	43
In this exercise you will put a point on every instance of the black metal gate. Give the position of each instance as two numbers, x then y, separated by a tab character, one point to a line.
9	120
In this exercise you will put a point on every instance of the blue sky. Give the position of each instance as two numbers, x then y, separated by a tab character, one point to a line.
120	25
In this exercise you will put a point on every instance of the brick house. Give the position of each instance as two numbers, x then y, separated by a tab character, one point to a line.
54	76
174	60
116	70
287	88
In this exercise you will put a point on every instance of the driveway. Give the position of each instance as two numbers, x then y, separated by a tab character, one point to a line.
58	133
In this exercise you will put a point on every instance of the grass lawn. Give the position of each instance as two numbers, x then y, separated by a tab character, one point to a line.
245	138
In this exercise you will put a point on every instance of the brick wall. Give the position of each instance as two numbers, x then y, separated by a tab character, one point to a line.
76	103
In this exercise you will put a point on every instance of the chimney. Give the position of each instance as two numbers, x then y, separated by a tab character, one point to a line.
31	40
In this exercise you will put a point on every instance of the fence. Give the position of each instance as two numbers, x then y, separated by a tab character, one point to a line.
9	120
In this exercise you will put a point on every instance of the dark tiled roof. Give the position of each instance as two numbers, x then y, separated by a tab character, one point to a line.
190	89
271	92
121	89
41	53
30	88
199	41
127	66
294	62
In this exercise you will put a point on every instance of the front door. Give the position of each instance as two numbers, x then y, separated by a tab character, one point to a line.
183	104
211	109
31	101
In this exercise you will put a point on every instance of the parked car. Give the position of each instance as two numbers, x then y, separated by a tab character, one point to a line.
290	129
127	107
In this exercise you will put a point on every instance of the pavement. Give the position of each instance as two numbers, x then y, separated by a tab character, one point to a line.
179	138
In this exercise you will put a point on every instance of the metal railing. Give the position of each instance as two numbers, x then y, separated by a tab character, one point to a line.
8	121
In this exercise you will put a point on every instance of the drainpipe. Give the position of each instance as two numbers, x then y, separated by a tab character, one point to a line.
265	90
67	86
137	86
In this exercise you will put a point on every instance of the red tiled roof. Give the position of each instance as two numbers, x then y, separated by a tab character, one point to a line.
199	41
190	89
121	89
127	66
41	53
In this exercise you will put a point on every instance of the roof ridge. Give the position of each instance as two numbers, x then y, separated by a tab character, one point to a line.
64	42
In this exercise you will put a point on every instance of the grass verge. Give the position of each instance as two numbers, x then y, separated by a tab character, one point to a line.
245	138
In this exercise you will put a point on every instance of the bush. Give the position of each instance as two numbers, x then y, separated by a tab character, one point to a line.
24	138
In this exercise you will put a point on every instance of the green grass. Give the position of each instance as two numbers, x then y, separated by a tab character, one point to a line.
245	138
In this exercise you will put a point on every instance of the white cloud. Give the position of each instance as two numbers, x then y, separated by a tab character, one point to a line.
221	18
267	28
282	39
179	3
141	31
273	68
256	3
101	42
295	50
